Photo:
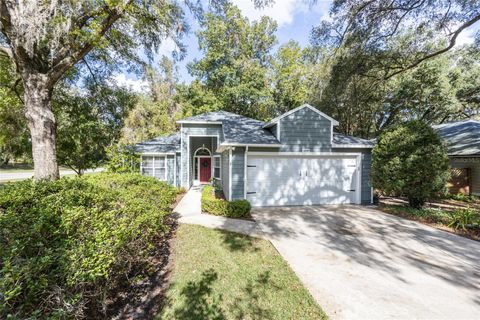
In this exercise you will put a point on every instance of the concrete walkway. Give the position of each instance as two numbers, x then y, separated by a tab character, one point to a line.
189	211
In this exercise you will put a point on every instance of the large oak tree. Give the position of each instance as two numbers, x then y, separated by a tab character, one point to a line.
45	39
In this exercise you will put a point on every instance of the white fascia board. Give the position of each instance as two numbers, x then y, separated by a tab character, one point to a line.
233	144
306	105
157	153
198	122
353	146
323	154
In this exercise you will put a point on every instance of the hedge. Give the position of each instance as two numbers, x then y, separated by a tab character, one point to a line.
221	207
65	245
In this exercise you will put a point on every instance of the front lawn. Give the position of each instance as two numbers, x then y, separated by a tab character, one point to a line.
224	275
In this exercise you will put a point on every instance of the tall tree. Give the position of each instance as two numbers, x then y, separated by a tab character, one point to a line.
45	39
290	75
371	26
237	55
153	113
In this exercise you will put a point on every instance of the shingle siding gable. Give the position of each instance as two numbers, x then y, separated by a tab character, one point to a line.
305	131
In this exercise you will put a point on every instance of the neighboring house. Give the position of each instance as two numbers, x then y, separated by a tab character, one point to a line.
462	140
294	159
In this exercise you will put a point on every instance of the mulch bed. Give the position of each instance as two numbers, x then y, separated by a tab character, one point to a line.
473	234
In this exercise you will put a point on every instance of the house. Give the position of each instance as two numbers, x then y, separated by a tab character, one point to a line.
294	159
462	141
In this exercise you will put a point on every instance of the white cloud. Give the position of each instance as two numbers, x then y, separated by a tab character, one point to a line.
166	47
281	11
467	36
131	83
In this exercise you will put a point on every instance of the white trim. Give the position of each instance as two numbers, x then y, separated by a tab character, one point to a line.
229	174
198	122
306	105
203	156
353	146
331	133
245	160
181	155
327	154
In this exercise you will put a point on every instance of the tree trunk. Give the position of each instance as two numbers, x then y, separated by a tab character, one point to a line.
41	123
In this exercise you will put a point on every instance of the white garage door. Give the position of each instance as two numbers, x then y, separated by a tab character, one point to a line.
306	180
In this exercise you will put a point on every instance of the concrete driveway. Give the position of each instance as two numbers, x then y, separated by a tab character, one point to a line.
360	263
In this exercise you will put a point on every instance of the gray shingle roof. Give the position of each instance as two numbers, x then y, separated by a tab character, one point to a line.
237	129
164	144
461	138
349	141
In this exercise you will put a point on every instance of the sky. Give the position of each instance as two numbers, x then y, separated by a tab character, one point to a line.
295	19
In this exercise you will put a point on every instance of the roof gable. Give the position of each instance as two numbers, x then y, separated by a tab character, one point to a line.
306	105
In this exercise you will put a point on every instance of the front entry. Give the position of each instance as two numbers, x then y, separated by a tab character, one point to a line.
205	169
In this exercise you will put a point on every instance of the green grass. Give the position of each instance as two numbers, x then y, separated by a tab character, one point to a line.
223	275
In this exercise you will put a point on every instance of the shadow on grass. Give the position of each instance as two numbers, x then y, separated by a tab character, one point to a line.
238	242
201	301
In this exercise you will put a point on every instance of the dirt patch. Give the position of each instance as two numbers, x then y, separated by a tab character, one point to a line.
143	296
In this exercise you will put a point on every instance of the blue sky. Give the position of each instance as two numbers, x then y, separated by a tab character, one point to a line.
295	19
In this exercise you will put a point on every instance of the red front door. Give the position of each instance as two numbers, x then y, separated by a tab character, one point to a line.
205	169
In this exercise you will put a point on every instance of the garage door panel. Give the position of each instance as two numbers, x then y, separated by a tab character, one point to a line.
275	181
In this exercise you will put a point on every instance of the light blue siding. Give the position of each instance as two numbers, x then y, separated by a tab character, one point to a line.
225	174
171	169
238	173
305	131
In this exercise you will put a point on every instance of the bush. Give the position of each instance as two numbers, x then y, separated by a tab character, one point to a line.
410	160
464	219
221	207
64	245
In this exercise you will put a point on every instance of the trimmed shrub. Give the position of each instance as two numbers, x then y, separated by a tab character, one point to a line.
221	207
410	160
65	245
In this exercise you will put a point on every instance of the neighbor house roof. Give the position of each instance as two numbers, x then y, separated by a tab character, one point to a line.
461	138
164	144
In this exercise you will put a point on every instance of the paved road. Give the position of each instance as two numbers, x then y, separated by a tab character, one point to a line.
360	263
11	176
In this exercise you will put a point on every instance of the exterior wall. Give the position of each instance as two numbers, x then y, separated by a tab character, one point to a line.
171	169
238	173
225	173
178	163
473	164
186	131
366	195
305	131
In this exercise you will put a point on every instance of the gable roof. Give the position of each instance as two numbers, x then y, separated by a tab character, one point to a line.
462	138
344	141
163	144
237	129
306	105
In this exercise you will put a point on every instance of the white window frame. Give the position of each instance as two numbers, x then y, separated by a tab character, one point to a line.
154	156
219	157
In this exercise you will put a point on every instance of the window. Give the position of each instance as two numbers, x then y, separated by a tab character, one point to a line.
154	166
217	164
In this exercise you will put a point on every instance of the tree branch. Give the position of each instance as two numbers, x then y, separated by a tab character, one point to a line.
451	44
